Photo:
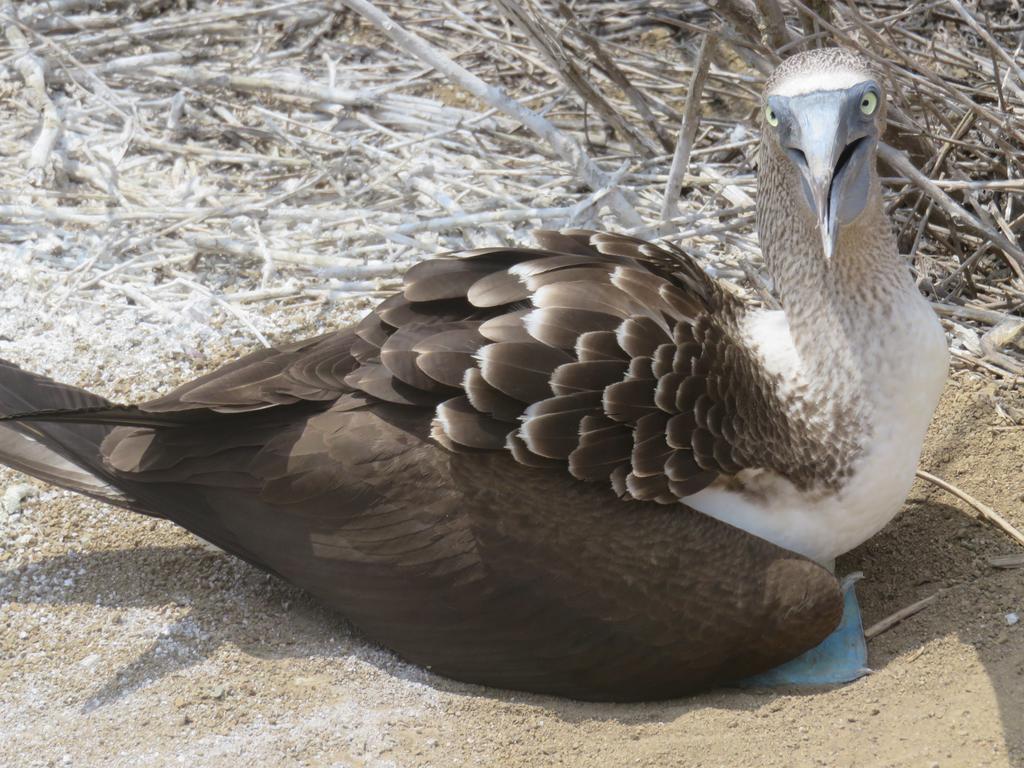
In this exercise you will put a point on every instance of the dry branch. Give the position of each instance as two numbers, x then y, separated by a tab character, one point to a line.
904	613
565	146
777	34
902	163
33	71
743	17
234	247
614	73
985	512
1007	561
284	86
288	137
983	33
528	16
688	128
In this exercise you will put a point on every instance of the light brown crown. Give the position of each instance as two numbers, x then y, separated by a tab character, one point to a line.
820	66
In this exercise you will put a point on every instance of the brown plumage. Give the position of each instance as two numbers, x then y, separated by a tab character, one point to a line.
495	510
489	472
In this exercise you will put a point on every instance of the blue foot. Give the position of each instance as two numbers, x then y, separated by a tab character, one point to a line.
839	658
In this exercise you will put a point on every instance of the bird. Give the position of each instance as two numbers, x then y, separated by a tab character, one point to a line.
583	468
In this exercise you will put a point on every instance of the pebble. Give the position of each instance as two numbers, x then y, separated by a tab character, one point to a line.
10	503
1011	619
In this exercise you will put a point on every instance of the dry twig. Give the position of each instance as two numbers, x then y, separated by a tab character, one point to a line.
1007	561
565	146
904	613
985	512
285	139
688	128
33	72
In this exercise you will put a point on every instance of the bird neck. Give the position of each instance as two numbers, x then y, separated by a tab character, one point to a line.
845	313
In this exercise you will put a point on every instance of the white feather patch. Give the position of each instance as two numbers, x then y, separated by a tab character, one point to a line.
767	332
525	269
483	359
909	367
808	82
468	390
543	296
525	437
532	321
441	420
620	334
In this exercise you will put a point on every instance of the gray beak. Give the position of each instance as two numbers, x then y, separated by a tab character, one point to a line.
829	141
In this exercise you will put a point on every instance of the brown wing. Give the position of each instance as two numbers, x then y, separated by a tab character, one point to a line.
57	453
495	573
617	358
308	370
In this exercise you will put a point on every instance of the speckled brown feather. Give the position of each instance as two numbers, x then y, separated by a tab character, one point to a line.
485	473
637	322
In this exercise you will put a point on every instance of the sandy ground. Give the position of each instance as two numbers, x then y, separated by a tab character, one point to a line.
124	643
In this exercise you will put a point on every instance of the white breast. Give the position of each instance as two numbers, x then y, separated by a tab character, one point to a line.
906	374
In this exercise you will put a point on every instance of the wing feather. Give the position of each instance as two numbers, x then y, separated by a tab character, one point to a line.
618	360
521	370
465	425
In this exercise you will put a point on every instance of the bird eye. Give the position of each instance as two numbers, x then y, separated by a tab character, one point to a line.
771	117
869	103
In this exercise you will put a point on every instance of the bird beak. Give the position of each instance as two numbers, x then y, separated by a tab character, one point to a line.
818	173
829	144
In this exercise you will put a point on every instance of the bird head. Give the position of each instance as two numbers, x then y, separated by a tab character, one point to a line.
823	113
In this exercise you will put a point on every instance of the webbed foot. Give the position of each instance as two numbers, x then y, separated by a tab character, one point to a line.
840	658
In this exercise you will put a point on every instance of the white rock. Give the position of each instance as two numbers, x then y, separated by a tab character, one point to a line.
10	503
90	660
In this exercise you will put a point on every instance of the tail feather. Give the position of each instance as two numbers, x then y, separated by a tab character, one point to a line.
27	455
109	415
63	453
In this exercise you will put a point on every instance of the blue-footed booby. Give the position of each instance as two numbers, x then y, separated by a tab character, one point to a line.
584	468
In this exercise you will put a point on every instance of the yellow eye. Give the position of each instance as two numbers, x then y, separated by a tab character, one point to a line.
771	117
869	103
